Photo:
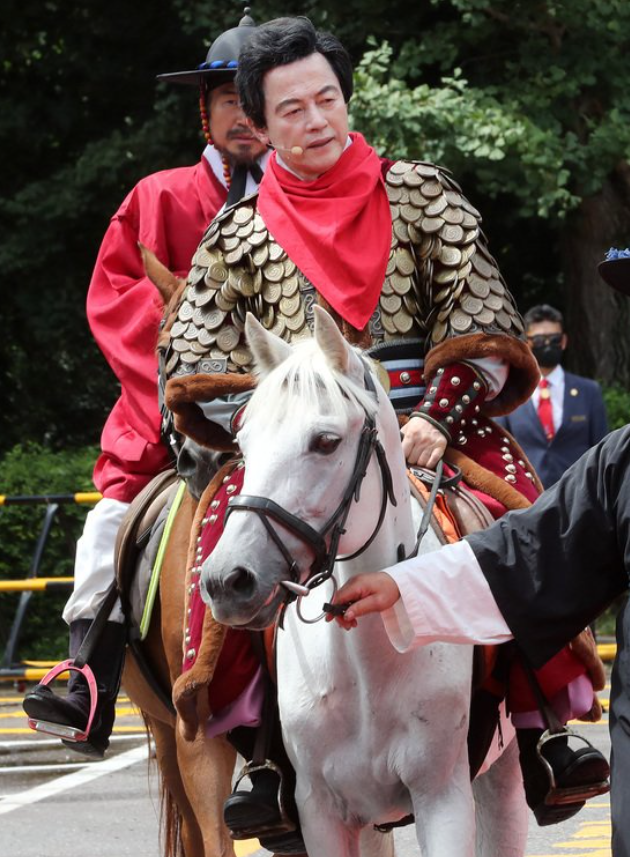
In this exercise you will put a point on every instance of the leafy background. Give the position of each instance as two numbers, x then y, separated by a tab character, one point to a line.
527	103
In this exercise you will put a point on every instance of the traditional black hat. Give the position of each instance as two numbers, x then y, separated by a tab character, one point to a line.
221	63
615	270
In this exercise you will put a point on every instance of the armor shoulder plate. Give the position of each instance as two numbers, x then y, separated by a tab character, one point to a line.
460	286
237	268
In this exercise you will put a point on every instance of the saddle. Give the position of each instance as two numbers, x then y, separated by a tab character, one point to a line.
137	545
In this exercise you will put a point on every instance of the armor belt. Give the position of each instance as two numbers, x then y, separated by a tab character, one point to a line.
403	361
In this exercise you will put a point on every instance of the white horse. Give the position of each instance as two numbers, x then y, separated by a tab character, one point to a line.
374	735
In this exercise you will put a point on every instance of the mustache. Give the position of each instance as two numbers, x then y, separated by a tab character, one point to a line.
240	131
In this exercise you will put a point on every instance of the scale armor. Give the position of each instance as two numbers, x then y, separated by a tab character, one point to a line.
441	281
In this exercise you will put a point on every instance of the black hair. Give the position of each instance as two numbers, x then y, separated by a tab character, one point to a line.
543	312
280	42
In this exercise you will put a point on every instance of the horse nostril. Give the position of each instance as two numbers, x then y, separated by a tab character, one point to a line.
241	582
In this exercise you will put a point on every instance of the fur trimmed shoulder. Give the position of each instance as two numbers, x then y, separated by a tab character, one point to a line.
523	376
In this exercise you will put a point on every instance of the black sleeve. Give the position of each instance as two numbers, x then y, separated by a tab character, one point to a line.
554	567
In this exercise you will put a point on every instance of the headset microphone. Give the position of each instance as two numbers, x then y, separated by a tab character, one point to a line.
297	151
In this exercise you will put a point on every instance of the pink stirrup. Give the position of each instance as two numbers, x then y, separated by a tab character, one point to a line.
60	730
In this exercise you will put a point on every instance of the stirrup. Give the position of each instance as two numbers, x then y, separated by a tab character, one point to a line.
62	730
561	795
277	828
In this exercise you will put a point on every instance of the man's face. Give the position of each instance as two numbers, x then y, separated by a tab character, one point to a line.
304	107
230	132
547	340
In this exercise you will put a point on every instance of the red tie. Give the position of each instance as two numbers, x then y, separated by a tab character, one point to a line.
545	411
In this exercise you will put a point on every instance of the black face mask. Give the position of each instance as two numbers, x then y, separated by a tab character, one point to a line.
547	349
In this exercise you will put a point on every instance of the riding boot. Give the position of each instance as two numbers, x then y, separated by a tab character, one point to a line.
260	807
106	663
584	770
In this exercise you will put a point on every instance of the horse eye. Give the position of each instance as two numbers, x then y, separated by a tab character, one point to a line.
325	443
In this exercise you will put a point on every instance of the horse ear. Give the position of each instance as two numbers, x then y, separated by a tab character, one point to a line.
268	349
164	281
339	354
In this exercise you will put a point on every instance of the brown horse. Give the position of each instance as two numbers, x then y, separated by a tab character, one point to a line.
195	773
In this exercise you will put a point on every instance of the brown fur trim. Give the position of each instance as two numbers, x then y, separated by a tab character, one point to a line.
483	480
524	372
192	706
183	393
584	648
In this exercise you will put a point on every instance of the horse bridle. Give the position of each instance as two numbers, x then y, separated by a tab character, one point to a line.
321	568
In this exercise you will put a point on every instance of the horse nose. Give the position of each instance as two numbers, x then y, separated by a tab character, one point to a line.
238	583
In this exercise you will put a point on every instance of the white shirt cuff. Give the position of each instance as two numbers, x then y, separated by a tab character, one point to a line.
444	597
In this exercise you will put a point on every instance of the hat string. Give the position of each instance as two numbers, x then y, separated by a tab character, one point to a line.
205	127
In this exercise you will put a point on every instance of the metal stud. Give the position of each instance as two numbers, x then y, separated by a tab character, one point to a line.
466	399
231	489
450	420
405	377
191	654
507	457
510	478
459	409
455	381
443	403
476	385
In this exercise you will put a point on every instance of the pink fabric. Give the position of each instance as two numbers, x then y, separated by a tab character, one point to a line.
575	699
244	711
337	229
168	212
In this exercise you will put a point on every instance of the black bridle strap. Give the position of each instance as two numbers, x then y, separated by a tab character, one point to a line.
322	566
266	508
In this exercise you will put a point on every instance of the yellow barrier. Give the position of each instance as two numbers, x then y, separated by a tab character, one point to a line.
36	584
28	499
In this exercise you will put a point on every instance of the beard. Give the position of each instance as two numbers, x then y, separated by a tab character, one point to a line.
240	153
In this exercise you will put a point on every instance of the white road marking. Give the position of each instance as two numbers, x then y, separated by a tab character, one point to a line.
71	781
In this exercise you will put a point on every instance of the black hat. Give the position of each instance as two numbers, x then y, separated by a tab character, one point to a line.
615	269
221	63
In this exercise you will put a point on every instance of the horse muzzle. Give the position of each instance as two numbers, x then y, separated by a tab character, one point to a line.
239	597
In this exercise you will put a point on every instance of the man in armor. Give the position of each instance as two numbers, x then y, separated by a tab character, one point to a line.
393	249
167	212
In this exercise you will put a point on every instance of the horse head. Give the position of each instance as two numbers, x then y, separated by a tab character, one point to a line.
316	438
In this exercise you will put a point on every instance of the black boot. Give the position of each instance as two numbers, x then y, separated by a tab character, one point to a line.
73	710
257	813
578	775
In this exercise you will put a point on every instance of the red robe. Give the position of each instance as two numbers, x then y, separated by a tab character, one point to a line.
168	212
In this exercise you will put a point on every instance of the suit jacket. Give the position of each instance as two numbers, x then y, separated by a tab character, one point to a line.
584	424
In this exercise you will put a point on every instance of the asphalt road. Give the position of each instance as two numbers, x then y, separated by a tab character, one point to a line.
52	805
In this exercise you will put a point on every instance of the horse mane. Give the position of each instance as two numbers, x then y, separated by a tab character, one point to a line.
305	382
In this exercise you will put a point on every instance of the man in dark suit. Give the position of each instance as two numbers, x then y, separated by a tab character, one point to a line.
566	415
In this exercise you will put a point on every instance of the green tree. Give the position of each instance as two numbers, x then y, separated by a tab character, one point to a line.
529	105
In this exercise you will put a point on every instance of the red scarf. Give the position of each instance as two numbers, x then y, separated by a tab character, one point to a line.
337	229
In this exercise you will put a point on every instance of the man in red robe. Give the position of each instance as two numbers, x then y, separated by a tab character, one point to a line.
166	212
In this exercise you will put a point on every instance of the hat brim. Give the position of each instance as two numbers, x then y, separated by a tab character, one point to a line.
211	76
616	272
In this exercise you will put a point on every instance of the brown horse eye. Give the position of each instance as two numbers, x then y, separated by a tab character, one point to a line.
326	443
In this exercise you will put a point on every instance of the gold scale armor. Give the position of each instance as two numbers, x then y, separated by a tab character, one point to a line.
441	281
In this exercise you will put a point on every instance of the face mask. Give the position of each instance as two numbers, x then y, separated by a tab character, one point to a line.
547	356
547	349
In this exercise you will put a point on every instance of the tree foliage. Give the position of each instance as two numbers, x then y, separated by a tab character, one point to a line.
527	103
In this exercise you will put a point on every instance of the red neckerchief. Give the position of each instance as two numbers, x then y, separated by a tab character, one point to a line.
337	228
